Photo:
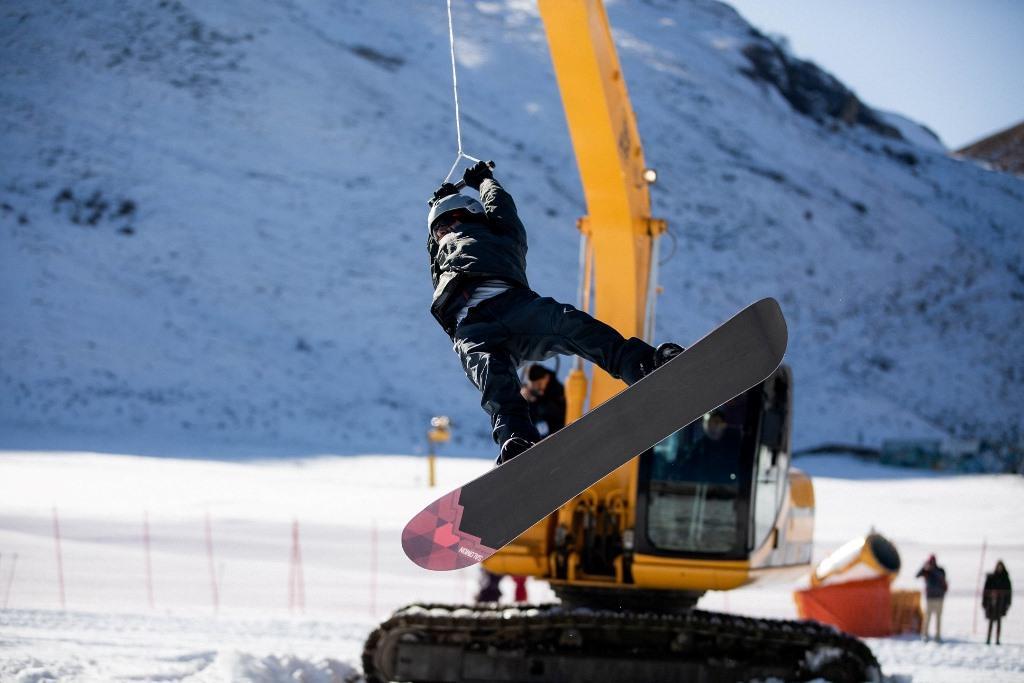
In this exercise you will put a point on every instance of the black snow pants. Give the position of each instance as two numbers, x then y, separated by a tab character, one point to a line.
500	333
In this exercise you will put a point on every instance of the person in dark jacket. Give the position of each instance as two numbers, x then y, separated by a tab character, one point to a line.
483	301
546	397
935	588
717	452
996	598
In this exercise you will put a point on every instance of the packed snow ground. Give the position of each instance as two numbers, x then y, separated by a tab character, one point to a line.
349	512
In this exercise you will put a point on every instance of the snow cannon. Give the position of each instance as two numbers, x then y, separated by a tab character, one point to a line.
868	557
850	589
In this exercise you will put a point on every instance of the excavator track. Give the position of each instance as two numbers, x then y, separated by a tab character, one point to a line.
471	644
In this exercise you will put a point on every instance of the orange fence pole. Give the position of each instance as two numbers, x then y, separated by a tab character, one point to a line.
149	561
60	559
214	593
977	586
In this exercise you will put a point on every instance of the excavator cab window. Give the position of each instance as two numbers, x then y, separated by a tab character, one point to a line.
772	464
697	484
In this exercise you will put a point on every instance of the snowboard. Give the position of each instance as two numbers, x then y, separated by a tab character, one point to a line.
474	521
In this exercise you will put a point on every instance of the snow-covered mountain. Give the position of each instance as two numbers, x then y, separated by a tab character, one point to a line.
212	221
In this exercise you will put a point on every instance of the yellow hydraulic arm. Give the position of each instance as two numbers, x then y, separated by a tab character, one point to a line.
618	233
618	230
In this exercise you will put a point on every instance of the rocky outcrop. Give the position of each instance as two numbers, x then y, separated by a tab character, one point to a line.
1004	150
809	89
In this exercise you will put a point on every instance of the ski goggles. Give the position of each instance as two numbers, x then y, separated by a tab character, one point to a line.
445	222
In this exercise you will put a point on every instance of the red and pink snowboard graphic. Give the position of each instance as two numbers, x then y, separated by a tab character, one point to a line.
432	539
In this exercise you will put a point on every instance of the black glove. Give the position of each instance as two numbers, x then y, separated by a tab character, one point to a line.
475	174
445	190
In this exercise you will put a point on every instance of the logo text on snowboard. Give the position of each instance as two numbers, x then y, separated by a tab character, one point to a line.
469	553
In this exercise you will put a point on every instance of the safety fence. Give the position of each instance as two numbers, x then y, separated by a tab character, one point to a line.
202	562
213	563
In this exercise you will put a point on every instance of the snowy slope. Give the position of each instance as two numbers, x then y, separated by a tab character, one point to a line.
211	224
350	513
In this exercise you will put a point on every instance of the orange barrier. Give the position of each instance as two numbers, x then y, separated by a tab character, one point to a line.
861	608
906	611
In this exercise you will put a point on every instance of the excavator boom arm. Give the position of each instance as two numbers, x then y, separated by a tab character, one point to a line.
603	128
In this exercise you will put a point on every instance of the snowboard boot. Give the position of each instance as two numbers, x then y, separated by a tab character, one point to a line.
666	352
663	354
511	448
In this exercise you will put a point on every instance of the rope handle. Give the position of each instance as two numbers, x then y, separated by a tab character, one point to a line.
459	155
462	183
458	186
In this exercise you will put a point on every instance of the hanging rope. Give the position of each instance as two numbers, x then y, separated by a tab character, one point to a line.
460	155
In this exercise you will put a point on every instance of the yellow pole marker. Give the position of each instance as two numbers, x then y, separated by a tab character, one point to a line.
440	432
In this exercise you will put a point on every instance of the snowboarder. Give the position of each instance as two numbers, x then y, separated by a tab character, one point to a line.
935	588
483	300
995	599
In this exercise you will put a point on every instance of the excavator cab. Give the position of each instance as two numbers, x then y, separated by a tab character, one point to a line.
713	489
694	483
715	507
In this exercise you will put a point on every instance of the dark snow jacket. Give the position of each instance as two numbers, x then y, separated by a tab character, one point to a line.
997	595
549	408
494	249
934	581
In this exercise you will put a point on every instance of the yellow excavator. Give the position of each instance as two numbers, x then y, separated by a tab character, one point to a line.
630	556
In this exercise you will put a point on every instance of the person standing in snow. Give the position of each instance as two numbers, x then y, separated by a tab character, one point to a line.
935	588
490	587
483	301
546	397
995	599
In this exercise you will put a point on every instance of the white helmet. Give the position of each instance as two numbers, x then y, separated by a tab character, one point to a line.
453	202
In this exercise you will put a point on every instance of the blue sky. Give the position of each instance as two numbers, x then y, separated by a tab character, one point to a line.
955	65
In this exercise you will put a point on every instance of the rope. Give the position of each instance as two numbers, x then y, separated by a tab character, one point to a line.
460	155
